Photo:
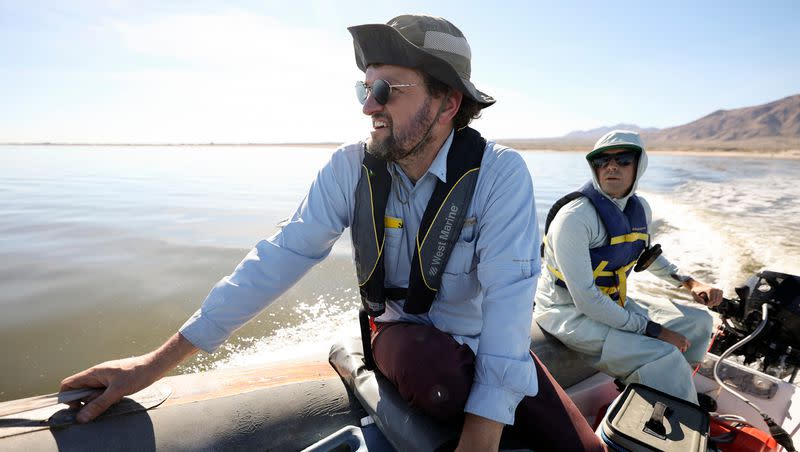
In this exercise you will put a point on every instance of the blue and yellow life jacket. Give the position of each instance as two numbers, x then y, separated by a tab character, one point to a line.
628	237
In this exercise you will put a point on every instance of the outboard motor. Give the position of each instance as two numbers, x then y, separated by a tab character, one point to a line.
776	350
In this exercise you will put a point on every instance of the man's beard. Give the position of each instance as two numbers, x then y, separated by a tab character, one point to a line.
404	143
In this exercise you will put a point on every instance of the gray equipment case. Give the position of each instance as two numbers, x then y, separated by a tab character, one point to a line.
645	419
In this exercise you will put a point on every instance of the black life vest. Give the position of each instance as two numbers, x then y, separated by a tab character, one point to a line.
438	232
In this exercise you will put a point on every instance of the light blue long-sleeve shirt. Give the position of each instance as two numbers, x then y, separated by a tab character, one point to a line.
486	295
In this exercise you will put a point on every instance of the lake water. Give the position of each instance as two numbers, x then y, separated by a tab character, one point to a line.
105	251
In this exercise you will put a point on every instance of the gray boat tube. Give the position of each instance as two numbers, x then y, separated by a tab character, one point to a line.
210	412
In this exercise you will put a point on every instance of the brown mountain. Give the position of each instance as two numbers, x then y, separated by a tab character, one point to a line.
775	125
594	134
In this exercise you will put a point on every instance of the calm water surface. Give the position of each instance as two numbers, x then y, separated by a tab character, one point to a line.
106	251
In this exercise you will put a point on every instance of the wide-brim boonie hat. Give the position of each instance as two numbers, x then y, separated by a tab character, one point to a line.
429	44
616	139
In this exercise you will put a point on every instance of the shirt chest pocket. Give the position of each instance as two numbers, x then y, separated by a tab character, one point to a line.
462	258
392	238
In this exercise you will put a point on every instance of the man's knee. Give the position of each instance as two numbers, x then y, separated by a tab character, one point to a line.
707	321
444	401
431	371
700	318
439	383
703	324
671	366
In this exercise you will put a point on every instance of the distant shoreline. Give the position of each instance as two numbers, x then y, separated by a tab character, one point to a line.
785	154
315	145
520	145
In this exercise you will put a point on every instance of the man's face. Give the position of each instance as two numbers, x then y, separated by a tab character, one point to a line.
615	179
401	126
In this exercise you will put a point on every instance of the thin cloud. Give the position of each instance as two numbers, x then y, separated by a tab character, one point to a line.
234	37
238	77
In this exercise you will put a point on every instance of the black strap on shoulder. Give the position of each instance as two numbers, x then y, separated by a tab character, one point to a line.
554	210
465	154
381	183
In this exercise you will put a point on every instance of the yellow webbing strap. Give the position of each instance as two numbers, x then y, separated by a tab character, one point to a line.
621	273
599	270
555	272
622	276
632	237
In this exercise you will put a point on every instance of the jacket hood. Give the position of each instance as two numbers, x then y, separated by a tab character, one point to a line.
620	139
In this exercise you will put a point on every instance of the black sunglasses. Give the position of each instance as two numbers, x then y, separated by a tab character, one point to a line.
623	159
380	89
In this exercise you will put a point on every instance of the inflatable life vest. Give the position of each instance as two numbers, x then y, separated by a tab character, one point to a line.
628	237
440	227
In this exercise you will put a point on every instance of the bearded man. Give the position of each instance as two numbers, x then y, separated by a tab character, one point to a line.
445	242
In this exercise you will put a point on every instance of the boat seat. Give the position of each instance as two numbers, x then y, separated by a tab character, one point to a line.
405	427
567	366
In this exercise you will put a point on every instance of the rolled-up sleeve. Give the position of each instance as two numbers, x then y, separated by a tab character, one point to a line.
277	263
508	268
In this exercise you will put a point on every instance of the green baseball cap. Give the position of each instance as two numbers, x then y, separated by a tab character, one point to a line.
426	43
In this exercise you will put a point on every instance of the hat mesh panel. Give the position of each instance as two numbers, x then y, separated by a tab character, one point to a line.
444	42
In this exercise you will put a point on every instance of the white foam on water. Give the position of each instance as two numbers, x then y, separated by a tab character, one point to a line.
724	232
324	321
719	232
693	241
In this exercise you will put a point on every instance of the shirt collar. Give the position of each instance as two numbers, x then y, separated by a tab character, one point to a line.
439	165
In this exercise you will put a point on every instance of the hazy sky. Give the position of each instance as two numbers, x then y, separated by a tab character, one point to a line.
278	71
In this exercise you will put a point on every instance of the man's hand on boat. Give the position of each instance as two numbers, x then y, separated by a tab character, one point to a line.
674	338
116	379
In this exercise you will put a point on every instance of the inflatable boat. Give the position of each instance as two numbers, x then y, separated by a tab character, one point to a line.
342	405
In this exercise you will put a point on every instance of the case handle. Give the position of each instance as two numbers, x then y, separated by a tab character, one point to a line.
655	426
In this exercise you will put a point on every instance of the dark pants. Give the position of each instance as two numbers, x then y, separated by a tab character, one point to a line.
434	373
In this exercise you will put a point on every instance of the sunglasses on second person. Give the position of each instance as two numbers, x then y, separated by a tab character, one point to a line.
622	159
380	90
